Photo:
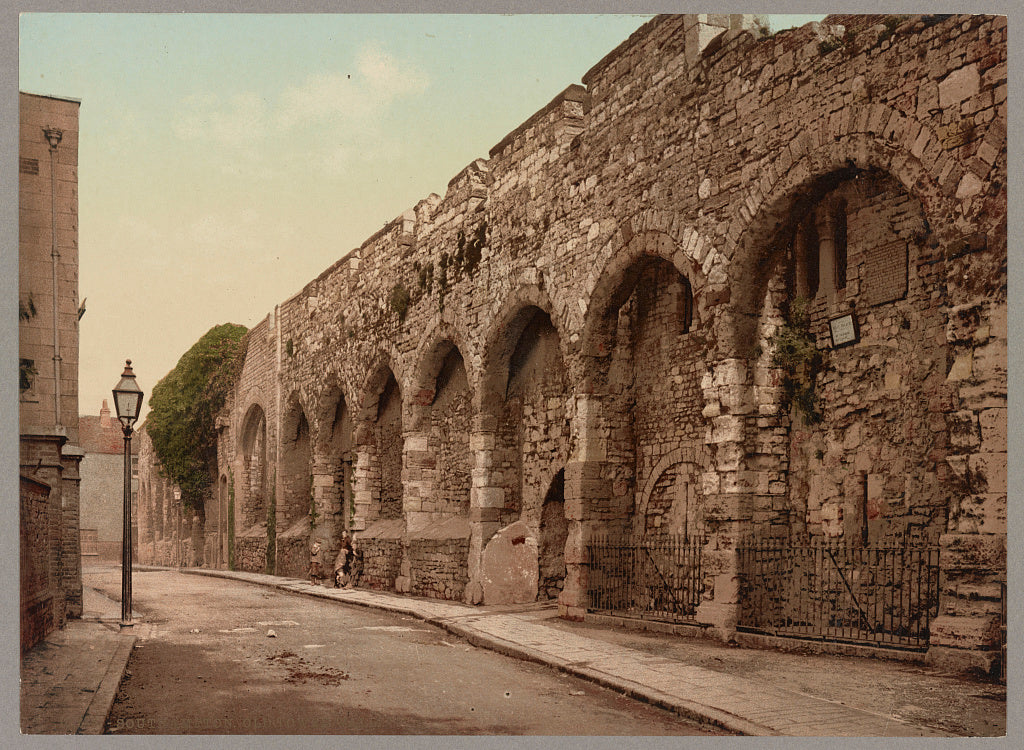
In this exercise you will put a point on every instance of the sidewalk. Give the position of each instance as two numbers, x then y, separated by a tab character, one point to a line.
733	702
68	681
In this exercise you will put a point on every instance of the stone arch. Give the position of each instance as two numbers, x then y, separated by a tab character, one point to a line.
509	317
644	349
441	411
429	362
295	519
789	187
255	468
253	492
669	502
621	258
379	443
334	461
843	470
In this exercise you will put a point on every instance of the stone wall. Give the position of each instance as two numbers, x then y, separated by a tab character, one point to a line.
653	230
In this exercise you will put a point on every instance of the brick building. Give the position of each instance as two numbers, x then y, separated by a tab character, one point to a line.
717	337
102	486
51	582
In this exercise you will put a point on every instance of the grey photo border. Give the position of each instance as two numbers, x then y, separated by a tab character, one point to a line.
9	13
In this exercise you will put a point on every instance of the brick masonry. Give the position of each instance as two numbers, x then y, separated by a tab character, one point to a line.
597	302
51	581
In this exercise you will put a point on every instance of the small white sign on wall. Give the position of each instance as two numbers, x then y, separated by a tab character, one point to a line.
843	330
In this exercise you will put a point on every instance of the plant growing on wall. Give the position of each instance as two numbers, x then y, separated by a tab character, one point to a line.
399	301
184	406
314	517
797	355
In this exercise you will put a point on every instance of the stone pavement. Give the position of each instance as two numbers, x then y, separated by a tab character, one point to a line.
68	681
737	704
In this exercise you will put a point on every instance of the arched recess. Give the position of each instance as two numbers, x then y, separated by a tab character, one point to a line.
865	444
439	467
644	348
379	436
336	459
670	502
551	538
524	428
252	492
294	503
378	442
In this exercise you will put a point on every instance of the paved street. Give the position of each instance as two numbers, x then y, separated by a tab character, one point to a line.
205	662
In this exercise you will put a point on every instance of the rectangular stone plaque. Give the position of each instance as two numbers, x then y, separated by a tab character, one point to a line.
843	330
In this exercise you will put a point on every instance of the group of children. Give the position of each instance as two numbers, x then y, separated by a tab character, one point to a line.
347	565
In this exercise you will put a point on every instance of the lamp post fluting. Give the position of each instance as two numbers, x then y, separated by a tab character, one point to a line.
128	402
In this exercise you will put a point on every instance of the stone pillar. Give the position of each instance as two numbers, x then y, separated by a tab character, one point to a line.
71	547
366	484
587	489
973	552
419	465
486	499
826	252
728	490
327	502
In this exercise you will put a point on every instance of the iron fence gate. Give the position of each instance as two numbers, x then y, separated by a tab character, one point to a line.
882	595
656	578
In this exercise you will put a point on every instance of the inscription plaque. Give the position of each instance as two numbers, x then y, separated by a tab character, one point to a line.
843	330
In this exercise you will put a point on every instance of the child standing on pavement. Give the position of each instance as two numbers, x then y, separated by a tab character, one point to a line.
316	570
343	562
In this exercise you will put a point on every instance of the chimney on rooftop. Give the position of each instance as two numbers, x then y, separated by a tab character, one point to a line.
104	415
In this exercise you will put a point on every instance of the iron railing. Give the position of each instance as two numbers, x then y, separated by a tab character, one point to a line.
878	595
657	578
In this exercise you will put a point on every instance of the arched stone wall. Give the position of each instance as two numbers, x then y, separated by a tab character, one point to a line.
675	167
253	492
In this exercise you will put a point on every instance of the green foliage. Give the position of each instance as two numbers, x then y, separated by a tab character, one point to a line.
890	23
796	354
314	517
184	406
399	301
829	45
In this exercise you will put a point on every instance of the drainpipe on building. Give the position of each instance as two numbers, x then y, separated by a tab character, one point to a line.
53	137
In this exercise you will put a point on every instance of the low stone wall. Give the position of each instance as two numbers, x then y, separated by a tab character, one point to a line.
381	547
438	560
251	553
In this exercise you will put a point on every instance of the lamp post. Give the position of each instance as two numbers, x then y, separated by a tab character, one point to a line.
177	510
128	402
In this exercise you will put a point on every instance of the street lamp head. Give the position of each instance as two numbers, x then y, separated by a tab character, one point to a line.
127	397
177	492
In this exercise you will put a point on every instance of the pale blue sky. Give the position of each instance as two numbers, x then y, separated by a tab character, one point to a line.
226	160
